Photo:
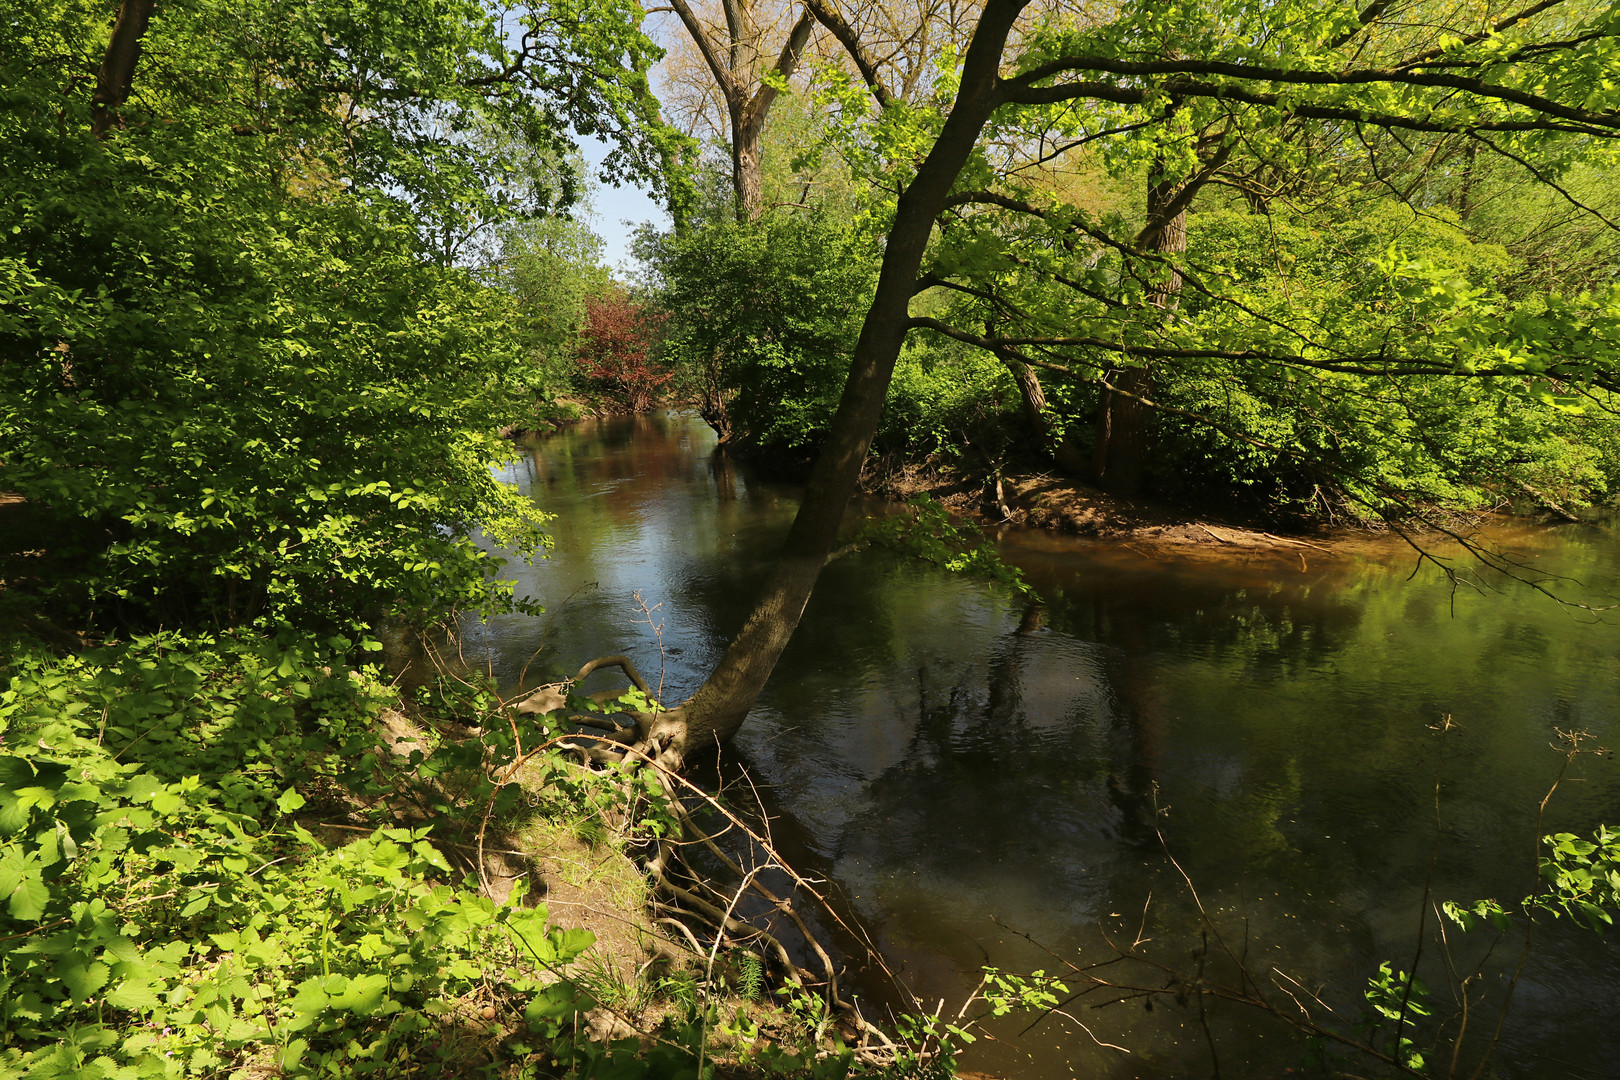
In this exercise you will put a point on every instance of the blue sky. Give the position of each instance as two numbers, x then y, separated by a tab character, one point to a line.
617	212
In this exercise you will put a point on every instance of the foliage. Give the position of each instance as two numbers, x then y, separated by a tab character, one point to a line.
1554	246
183	892
1387	275
1006	992
1343	327
802	164
1401	1000
614	350
168	915
236	361
945	397
926	531
551	267
1580	880
760	321
177	902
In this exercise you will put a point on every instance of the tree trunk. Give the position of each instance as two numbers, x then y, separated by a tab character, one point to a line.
1120	450
1465	192
748	93
1031	397
713	714
747	169
117	75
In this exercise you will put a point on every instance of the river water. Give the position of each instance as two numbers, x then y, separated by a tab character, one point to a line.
977	775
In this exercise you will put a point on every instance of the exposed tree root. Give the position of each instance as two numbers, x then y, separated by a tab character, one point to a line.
710	913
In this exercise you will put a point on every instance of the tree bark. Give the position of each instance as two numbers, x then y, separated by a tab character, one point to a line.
1123	432
1465	192
117	75
1031	398
713	714
747	168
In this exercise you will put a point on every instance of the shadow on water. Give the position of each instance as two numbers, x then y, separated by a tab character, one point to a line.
963	765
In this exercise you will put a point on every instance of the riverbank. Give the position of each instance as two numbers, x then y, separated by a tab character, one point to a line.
1049	501
291	869
1033	498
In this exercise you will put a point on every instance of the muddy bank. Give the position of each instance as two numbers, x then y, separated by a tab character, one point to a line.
1063	505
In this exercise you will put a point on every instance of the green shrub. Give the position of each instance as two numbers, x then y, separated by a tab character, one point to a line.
761	319
166	914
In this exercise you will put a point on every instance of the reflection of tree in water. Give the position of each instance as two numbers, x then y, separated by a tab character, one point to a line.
992	783
1036	774
724	471
1264	625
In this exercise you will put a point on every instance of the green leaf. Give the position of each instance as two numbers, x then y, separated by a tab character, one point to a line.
289	801
134	995
29	900
364	995
83	979
556	1002
167	802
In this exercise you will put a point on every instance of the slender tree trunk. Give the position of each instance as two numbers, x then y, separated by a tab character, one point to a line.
1031	398
1465	192
117	75
717	710
1123	428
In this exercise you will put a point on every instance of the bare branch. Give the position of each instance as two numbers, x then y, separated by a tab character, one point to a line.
700	37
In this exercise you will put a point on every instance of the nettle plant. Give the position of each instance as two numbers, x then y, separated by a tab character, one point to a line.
165	914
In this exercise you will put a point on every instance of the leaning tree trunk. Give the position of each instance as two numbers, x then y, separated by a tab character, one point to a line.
116	78
713	714
1121	447
1031	398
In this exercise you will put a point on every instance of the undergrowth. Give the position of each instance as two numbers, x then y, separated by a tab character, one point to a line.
166	911
214	864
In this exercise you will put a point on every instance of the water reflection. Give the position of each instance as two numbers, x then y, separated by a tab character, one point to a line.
965	765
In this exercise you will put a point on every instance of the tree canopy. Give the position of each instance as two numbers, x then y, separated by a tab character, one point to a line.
241	362
1305	111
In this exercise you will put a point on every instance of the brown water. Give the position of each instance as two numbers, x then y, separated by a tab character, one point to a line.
970	770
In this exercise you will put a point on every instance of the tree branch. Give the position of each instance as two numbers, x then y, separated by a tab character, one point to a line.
786	62
836	25
117	75
1023	89
1475	39
1369	14
700	37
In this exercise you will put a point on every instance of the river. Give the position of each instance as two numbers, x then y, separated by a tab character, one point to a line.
974	774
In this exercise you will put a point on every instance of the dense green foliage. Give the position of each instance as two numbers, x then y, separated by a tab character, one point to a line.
238	363
1390	296
1389	275
1364	358
213	862
761	317
167	914
551	268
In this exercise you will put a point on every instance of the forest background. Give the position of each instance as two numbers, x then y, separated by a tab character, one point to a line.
275	277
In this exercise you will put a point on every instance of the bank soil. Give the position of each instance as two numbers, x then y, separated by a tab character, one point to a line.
1060	504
